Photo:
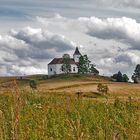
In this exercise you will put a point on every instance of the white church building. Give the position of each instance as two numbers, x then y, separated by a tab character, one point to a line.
55	66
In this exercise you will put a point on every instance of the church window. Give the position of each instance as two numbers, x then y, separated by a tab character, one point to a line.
50	69
73	68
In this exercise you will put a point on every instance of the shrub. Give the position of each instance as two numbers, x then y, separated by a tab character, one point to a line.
33	84
103	89
44	77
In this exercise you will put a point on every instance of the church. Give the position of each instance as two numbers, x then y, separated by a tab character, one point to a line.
55	66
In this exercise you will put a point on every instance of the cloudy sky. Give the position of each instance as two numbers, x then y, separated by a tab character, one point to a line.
32	32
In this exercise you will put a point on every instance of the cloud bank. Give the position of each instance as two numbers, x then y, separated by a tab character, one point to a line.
111	43
28	50
125	30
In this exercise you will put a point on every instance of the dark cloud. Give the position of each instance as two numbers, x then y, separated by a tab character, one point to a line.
125	30
41	45
43	39
29	50
129	58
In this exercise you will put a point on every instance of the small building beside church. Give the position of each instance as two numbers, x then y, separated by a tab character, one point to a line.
55	66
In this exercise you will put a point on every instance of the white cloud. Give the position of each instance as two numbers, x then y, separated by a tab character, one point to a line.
129	58
125	30
112	44
27	70
125	61
43	39
116	3
29	50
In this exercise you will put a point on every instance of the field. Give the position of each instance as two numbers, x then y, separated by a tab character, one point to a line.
69	108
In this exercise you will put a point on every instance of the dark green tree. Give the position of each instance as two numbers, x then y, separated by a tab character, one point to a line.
125	78
119	77
84	65
115	76
136	74
93	70
66	67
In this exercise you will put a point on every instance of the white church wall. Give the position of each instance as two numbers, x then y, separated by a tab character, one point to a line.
52	69
74	68
56	69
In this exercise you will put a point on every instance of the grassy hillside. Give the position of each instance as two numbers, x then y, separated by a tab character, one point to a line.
87	84
55	111
71	84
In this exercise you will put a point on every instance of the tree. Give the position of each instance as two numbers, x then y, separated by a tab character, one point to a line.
93	70
66	67
136	74
84	64
115	76
125	78
119	77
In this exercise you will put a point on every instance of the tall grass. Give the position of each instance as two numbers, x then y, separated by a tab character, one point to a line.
51	117
13	111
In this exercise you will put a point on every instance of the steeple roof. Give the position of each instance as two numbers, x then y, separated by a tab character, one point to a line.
77	52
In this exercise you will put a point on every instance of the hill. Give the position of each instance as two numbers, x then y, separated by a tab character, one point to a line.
73	83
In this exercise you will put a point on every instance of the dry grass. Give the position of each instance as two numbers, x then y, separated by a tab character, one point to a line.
56	111
115	89
5	79
86	85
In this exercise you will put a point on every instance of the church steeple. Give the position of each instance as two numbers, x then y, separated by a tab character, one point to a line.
77	52
76	55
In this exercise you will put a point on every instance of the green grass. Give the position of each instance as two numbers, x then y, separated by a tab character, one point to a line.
50	117
54	112
86	77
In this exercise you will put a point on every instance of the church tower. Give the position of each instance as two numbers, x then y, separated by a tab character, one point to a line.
76	55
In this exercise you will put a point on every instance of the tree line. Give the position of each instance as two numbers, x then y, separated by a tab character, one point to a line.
119	77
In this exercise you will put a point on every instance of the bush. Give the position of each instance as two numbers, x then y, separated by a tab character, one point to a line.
103	89
44	77
33	84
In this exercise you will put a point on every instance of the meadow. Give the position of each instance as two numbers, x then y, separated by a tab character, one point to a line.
56	112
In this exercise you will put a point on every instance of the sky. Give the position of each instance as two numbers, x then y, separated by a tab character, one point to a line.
33	32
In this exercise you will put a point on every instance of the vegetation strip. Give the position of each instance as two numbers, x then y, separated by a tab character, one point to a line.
77	85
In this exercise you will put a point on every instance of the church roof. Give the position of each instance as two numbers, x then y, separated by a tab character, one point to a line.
60	61
77	52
